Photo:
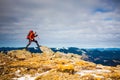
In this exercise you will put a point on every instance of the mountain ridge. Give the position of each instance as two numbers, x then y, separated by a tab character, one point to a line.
50	65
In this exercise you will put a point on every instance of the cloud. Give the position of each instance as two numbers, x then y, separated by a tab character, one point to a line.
82	22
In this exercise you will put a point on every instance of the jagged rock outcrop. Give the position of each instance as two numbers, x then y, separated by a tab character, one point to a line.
48	65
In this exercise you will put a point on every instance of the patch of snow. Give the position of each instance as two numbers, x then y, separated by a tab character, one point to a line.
65	48
97	76
57	48
43	73
78	50
116	61
17	73
25	77
83	51
29	77
35	48
93	72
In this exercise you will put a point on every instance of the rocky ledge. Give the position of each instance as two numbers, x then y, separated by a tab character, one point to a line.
49	65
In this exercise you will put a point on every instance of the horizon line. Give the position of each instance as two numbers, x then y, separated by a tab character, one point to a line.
63	47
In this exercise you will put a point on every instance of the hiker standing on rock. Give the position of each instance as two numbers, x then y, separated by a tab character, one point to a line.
31	37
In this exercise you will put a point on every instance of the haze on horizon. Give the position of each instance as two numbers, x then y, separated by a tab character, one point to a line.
61	23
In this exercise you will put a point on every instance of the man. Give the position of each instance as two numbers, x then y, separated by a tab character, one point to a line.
31	37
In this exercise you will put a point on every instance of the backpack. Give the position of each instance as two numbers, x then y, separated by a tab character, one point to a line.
30	35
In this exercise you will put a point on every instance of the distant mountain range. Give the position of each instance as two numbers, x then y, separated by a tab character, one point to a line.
105	56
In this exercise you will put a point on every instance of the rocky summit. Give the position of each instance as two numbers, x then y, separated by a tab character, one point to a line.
49	65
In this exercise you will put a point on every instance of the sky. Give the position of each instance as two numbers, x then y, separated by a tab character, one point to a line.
61	23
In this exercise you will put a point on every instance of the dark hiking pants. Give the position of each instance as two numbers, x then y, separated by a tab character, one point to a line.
30	41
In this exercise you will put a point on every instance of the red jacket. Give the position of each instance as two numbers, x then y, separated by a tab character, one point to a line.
31	35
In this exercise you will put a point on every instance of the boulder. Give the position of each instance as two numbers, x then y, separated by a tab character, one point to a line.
47	50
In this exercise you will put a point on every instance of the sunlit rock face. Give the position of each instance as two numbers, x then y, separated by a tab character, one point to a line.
49	65
47	50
